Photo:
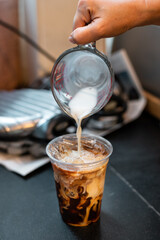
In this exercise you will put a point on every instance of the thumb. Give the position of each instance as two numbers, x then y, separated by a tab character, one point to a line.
86	34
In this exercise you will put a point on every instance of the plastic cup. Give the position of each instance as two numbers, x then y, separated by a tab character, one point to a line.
79	185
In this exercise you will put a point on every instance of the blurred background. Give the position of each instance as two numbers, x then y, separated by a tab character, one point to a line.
49	23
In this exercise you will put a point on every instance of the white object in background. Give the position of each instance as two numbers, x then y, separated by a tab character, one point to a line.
122	64
22	165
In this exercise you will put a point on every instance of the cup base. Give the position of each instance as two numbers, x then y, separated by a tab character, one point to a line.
82	224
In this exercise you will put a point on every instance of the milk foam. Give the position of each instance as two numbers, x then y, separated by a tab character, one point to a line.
83	102
84	157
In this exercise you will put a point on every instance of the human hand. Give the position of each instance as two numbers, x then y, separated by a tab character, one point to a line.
95	19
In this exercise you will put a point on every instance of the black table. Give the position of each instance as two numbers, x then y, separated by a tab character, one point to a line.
131	201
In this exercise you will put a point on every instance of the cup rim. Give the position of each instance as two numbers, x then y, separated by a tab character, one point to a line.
79	165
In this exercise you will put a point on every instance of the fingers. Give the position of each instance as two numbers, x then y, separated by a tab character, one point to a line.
86	34
79	21
81	25
82	16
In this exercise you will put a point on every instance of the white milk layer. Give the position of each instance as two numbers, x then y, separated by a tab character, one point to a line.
83	103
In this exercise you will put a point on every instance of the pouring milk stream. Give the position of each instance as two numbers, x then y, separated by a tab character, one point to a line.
80	106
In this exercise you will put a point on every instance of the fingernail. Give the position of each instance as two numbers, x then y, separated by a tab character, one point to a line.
71	39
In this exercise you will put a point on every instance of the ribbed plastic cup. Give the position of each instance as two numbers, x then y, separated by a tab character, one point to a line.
79	185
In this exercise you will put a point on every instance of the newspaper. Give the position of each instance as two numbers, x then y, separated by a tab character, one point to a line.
22	165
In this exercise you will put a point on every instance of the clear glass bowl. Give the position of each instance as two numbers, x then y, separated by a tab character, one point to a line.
79	68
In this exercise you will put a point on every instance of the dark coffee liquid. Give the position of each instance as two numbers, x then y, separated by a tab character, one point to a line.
80	194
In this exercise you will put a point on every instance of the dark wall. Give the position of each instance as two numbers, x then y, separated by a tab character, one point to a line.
143	47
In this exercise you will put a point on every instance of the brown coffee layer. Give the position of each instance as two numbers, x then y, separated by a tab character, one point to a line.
80	194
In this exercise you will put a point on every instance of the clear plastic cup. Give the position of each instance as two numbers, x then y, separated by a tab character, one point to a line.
79	185
78	68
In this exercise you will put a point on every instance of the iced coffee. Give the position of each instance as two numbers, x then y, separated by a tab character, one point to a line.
80	177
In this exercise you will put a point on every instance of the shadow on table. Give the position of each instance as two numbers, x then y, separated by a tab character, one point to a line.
106	228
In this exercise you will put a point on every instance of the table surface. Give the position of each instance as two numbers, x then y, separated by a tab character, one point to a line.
131	200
